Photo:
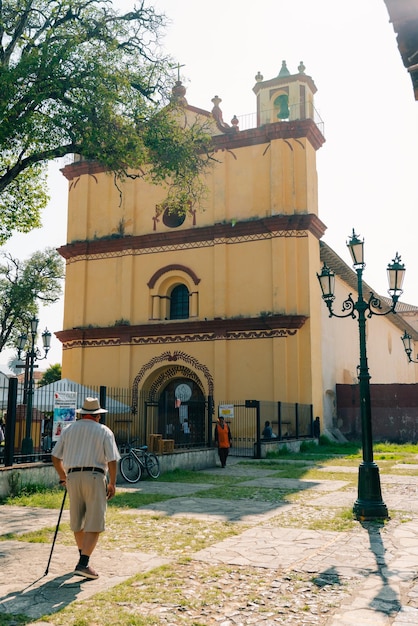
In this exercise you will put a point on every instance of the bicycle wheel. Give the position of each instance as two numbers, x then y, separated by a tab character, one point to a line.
152	465
130	469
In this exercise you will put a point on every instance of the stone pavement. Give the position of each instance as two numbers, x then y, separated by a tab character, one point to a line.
379	564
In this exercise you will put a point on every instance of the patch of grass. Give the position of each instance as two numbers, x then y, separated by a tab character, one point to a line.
335	447
315	474
129	532
349	461
165	593
231	492
338	521
391	448
43	535
43	498
144	533
308	446
351	451
283	469
316	518
124	604
136	499
52	499
192	477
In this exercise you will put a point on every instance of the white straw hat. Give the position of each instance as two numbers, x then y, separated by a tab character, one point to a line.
91	406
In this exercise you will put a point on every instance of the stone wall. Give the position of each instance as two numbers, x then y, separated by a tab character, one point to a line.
394	411
45	474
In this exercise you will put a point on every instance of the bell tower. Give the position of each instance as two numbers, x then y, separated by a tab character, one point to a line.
222	299
287	97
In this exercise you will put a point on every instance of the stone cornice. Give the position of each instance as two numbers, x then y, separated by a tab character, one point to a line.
284	225
285	80
296	129
184	330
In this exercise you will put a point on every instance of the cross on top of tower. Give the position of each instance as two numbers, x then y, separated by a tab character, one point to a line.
178	66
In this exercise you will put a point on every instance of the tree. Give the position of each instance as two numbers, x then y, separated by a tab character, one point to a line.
78	77
52	374
23	284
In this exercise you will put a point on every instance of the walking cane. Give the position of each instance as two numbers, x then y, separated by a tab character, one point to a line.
56	532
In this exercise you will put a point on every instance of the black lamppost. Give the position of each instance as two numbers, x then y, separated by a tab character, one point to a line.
406	339
369	504
32	355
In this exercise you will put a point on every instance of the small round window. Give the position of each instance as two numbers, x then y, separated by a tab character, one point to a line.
173	219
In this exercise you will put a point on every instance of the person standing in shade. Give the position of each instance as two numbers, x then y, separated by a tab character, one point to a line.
85	451
223	439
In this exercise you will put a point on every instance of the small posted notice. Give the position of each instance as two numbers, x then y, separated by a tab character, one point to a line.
65	403
226	411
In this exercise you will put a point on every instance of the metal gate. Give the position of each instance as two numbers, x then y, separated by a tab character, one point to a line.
288	421
245	428
162	417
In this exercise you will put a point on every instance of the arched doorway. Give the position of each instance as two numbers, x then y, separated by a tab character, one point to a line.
182	413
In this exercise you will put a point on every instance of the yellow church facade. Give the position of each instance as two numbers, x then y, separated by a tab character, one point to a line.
222	302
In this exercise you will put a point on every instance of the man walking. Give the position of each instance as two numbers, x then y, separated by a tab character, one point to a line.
85	451
222	439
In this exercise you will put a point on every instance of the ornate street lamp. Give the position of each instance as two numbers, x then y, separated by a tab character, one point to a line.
406	340
369	504
32	355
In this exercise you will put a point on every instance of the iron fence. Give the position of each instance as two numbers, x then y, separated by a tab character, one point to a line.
253	120
287	420
143	418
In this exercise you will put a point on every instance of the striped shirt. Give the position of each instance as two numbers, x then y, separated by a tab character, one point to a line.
86	443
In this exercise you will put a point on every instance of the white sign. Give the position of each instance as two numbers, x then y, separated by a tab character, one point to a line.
226	411
65	403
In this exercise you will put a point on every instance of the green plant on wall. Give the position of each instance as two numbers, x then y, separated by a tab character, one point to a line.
15	483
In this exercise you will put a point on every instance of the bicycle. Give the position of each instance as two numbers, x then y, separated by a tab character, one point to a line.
138	460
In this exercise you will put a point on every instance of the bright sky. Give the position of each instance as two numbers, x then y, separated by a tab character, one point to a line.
366	168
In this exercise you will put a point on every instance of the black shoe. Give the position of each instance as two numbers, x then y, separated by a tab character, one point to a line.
86	571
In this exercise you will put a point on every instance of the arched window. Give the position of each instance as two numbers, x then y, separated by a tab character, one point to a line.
281	105
179	303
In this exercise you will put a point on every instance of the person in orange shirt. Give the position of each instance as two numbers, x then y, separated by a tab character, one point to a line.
223	439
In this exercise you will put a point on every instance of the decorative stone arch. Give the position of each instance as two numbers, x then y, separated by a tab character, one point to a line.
179	362
163	282
176	371
172	268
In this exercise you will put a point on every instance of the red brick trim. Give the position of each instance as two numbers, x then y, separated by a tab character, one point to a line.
286	224
170	268
185	330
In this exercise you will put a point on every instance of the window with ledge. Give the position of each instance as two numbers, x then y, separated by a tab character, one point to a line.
179	303
174	293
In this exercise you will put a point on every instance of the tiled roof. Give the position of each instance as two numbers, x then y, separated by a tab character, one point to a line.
349	276
404	18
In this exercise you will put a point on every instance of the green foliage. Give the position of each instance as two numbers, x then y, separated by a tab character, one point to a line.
28	190
308	446
349	447
51	375
15	484
30	494
22	285
394	448
178	155
122	322
80	77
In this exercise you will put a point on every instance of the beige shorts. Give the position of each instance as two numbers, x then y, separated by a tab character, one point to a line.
88	502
